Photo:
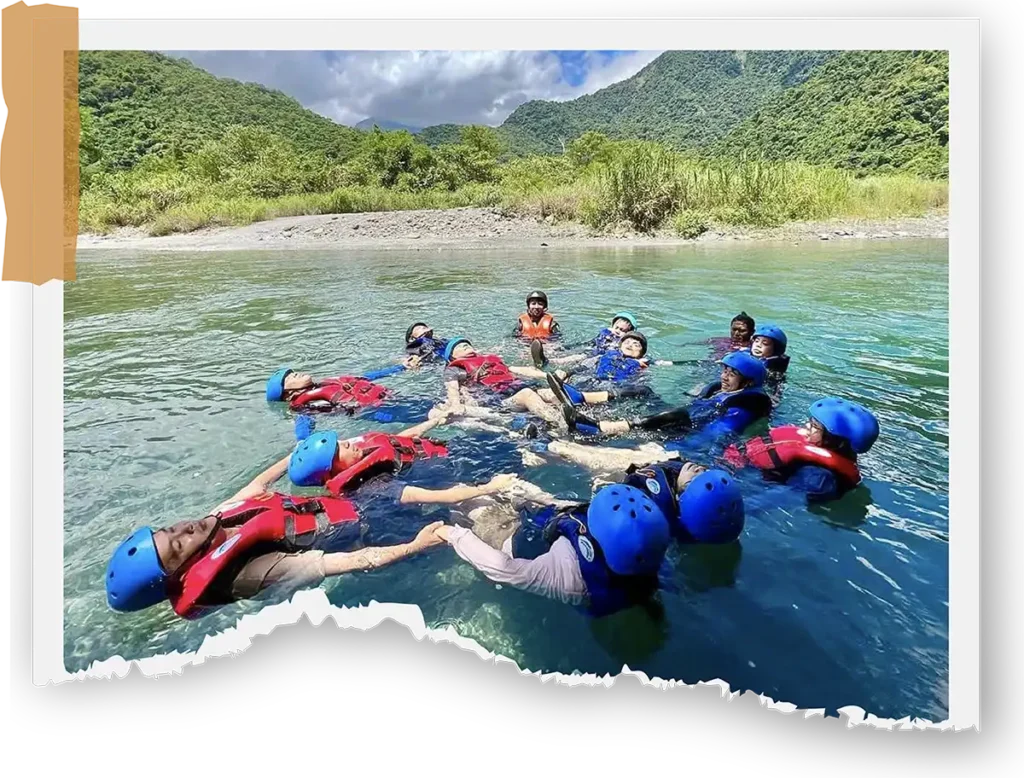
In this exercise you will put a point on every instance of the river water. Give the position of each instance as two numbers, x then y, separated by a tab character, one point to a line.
166	356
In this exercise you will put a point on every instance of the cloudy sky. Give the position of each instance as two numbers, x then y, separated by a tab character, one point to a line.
423	87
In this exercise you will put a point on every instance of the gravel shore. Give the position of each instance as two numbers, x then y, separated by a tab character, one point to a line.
481	228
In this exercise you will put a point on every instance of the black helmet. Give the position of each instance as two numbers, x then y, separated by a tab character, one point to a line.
408	333
537	296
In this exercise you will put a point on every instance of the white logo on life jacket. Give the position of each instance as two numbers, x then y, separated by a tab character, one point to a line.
224	547
586	549
653	486
821	452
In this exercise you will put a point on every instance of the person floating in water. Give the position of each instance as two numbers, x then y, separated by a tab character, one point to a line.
473	379
741	330
769	345
364	468
819	458
616	374
608	339
256	543
421	347
701	505
723	407
347	394
536	323
604	555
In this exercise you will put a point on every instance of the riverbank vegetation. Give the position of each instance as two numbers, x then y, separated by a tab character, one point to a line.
252	174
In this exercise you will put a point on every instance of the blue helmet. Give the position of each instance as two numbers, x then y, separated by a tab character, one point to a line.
747	365
275	384
627	316
448	349
774	333
632	531
312	460
847	420
711	508
135	576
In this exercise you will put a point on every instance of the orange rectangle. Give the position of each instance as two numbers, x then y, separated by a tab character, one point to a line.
39	167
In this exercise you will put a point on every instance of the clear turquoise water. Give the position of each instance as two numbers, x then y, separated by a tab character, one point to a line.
166	356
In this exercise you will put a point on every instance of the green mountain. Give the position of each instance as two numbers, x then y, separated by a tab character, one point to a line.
370	122
143	103
689	99
879	111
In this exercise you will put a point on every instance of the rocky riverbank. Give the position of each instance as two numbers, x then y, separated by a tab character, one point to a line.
483	228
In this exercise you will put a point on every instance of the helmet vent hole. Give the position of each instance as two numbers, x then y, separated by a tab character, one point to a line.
709	486
725	482
131	551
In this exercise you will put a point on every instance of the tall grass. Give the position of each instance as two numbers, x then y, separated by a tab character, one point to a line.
642	186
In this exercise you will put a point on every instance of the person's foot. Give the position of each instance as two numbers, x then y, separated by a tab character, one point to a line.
537	353
557	387
579	422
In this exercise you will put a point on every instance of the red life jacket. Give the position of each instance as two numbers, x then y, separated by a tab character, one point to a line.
277	520
344	390
536	330
488	370
788	446
383	453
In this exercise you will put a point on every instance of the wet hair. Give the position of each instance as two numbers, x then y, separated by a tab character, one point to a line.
742	316
834	443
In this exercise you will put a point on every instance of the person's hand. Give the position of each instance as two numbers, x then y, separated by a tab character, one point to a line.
304	426
429	536
438	413
500	482
412	361
689	471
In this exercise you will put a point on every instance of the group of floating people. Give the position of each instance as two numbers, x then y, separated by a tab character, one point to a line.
602	555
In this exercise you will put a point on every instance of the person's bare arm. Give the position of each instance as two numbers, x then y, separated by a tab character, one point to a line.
261	483
439	418
415	495
608	459
454	397
380	556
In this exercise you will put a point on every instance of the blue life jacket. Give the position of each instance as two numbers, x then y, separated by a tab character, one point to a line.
658	481
616	366
712	402
776	364
607	592
605	340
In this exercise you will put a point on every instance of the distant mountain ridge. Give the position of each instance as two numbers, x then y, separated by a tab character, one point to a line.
386	124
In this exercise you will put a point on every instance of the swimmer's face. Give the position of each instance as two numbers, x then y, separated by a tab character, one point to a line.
740	332
463	351
762	347
347	456
620	327
535	308
421	331
176	544
731	380
631	347
296	382
815	433
687	473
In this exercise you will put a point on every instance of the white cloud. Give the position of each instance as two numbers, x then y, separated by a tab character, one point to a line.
418	87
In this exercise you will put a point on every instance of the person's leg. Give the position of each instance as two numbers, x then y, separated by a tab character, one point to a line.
531	401
607	459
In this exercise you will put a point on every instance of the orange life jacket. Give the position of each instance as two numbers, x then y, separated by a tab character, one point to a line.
536	330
